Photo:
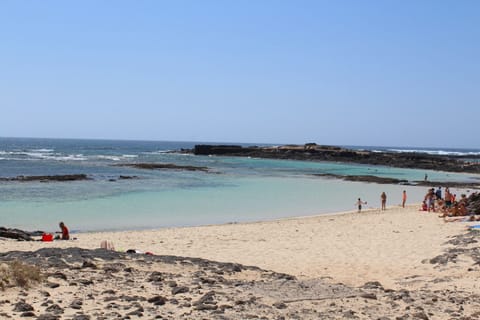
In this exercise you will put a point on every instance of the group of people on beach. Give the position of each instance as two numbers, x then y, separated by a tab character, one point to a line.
444	202
383	201
447	205
433	200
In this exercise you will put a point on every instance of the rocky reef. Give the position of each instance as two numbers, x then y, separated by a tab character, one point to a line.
156	166
385	180
314	152
473	203
363	178
47	178
17	234
82	176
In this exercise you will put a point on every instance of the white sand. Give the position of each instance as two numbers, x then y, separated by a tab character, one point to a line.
352	248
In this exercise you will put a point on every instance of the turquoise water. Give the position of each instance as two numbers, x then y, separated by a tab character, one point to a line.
235	189
246	199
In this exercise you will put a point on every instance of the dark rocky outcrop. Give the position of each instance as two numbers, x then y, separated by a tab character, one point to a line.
449	184
63	177
385	180
473	203
62	258
373	179
223	150
122	177
155	166
314	152
18	234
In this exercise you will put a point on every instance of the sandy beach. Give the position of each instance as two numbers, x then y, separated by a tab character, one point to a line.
393	247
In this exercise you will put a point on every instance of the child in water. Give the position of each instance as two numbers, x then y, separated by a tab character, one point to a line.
359	204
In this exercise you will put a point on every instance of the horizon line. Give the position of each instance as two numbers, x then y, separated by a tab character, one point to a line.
241	143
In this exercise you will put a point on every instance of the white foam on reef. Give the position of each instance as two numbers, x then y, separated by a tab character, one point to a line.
158	152
73	157
435	152
104	157
432	151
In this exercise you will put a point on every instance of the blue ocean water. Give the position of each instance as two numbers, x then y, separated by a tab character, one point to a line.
235	189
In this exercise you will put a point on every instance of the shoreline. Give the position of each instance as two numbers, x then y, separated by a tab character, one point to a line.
340	212
181	240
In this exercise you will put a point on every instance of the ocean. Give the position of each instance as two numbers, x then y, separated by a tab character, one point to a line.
234	190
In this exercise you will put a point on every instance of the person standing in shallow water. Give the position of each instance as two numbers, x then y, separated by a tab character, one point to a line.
383	197
359	204
404	198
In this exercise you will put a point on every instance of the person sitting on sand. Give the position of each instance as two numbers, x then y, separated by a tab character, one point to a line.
424	206
441	206
457	210
64	232
454	210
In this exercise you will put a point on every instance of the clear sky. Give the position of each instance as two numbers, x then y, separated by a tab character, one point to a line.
403	73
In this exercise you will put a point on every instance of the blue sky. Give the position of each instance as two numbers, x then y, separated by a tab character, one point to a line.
404	73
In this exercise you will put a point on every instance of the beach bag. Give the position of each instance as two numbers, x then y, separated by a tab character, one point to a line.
47	237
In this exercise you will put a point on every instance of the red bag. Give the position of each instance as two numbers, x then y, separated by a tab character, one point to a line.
47	237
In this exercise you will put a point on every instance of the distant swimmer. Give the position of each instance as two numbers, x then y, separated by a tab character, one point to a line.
426	177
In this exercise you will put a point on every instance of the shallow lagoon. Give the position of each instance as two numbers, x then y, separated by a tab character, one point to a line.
235	189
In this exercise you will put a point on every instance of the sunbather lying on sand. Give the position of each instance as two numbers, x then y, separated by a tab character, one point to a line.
457	210
462	218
